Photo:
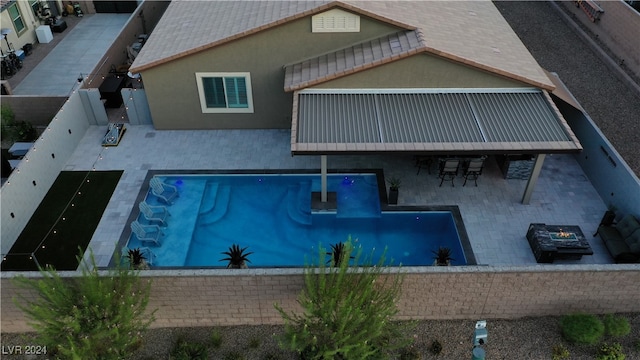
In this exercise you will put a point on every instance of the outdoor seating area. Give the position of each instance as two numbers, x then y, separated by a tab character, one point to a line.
622	239
450	167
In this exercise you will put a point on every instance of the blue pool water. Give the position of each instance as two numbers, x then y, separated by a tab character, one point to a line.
271	215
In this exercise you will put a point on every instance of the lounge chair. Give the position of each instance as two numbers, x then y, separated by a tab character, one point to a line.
154	213
165	192
448	170
147	233
473	170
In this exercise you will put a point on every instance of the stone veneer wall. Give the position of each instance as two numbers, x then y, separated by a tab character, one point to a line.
235	297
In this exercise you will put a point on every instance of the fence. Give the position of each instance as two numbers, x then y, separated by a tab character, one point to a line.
246	297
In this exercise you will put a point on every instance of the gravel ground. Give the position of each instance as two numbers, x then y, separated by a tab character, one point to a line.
612	105
528	338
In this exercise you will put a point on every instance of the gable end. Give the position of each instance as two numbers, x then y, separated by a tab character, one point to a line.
335	20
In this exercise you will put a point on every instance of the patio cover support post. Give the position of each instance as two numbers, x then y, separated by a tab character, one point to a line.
323	178
531	183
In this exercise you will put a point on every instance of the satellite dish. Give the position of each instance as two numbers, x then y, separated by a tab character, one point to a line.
5	31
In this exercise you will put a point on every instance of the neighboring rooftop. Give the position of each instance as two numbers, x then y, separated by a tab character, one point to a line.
189	27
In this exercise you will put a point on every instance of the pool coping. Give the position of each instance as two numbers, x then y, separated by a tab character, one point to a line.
384	206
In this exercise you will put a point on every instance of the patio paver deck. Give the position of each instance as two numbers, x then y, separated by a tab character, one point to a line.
495	219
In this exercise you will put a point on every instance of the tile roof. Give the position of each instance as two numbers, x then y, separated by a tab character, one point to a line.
471	32
351	59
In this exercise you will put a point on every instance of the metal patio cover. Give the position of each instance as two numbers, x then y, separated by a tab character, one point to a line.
440	121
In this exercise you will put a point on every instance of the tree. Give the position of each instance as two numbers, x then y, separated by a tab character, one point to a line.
348	310
93	316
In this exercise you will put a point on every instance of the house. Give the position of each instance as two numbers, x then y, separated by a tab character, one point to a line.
19	19
425	77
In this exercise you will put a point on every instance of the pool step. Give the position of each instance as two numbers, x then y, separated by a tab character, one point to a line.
210	194
220	206
299	202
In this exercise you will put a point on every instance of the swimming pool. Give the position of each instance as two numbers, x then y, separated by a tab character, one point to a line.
271	215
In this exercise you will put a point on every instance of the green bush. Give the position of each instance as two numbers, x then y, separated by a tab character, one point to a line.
16	130
559	352
348	311
616	325
7	115
8	118
186	350
23	131
582	328
94	316
610	352
216	339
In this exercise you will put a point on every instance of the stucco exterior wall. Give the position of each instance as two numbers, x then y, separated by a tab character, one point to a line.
422	71
227	297
27	35
618	29
173	94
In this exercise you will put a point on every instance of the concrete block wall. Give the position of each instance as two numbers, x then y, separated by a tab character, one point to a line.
615	182
617	28
29	182
246	297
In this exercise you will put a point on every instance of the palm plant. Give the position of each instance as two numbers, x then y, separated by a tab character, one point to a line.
136	259
236	257
337	253
442	256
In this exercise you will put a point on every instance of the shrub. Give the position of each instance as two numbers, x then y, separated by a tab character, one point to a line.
616	325
610	352
582	328
436	347
559	352
23	131
88	317
186	350
216	339
8	118
6	115
347	311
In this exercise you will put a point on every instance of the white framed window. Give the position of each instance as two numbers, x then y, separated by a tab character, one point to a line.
35	6
225	92
16	18
335	20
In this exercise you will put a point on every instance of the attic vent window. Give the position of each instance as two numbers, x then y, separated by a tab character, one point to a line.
335	20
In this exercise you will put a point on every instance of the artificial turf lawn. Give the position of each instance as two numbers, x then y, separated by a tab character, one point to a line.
64	222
